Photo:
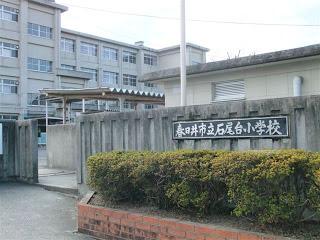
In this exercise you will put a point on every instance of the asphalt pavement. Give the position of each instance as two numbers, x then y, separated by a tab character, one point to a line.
29	212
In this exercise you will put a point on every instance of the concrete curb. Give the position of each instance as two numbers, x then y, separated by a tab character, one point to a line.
64	190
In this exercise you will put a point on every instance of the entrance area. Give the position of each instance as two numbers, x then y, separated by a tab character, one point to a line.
58	179
30	212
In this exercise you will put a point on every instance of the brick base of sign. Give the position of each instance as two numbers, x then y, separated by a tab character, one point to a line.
106	223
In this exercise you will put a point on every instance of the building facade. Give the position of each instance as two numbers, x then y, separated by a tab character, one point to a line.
35	53
287	73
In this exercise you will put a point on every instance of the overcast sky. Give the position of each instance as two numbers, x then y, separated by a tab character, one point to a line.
220	38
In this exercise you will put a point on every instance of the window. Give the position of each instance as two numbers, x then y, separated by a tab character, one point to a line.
129	105
129	57
150	60
129	80
67	45
8	50
229	90
112	106
8	13
8	86
39	65
110	78
68	67
94	73
110	54
88	49
150	85
8	117
35	99
39	30
149	106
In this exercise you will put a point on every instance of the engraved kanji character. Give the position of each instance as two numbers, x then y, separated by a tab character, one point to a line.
239	128
202	129
273	128
194	130
220	129
260	127
228	129
211	130
180	131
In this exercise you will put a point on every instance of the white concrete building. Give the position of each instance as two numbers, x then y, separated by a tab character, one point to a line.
35	53
287	73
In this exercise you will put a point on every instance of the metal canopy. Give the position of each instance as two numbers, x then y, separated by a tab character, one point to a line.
104	93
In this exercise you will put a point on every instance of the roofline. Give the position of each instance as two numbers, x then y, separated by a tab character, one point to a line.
248	61
188	45
104	93
102	90
51	4
94	37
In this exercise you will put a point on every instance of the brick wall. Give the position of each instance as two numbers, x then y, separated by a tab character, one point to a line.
104	223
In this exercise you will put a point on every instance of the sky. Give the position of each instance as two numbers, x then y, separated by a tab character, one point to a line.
103	18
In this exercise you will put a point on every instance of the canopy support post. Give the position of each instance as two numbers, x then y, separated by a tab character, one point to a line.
64	110
83	105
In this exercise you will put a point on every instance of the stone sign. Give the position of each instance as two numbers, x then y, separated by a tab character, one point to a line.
261	127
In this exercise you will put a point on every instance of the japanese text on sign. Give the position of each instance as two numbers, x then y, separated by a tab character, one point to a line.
263	127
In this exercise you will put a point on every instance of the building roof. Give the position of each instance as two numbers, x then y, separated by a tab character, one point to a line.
50	4
93	37
104	93
102	39
271	57
188	45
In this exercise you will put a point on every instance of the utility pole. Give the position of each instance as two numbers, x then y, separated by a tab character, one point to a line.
183	71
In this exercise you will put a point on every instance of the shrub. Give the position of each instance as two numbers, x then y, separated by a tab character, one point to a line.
274	187
270	186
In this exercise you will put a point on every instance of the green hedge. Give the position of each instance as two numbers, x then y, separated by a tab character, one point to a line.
269	186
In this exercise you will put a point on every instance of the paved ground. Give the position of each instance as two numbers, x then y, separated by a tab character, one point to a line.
30	213
54	177
57	177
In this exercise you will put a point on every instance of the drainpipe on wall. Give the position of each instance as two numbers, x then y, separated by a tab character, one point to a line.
297	86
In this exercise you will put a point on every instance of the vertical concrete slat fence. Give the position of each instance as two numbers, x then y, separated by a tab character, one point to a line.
20	151
152	129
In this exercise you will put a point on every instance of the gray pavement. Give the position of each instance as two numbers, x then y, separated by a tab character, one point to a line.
29	212
58	178
55	179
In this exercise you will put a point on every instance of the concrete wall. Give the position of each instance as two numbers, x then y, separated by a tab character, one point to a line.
261	82
152	130
20	151
61	147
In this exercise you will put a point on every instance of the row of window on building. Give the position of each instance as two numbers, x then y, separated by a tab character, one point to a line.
11	50
40	65
68	45
109	78
109	54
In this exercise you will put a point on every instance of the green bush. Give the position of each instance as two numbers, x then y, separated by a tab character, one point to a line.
270	186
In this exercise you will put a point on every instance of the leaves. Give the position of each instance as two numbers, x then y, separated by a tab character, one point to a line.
269	186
